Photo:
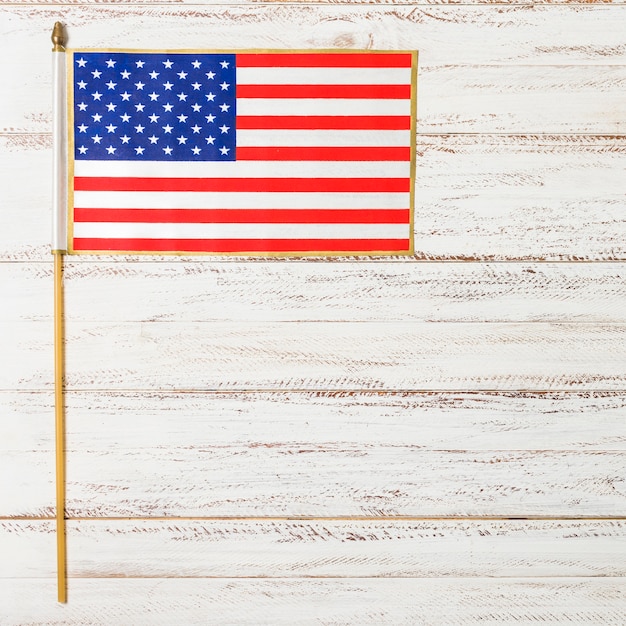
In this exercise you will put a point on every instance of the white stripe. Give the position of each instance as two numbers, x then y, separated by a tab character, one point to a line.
206	200
358	138
243	169
106	230
322	106
59	154
323	76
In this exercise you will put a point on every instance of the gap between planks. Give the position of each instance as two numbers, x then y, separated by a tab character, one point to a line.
336	392
349	518
299	578
120	259
319	3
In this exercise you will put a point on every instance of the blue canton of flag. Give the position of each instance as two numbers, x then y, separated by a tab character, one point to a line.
154	107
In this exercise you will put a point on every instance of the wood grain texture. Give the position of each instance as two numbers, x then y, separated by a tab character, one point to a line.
590	32
332	602
328	480
321	355
482	68
318	549
108	421
337	480
484	197
335	453
379	291
517	197
369	390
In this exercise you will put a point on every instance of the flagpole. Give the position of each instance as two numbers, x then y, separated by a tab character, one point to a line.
59	247
59	428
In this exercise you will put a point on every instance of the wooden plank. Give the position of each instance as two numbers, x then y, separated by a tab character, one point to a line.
590	33
196	356
107	421
195	290
334	479
526	197
320	356
482	68
189	436
380	291
435	421
410	602
340	480
317	549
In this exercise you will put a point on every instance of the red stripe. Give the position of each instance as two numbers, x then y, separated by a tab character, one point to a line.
262	246
243	184
241	216
323	154
387	92
324	122
325	59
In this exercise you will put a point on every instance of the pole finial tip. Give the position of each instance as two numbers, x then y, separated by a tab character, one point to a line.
58	37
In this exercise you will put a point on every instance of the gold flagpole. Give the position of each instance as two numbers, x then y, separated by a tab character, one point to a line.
59	247
59	411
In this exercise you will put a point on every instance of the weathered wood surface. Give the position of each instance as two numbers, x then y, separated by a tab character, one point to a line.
482	68
329	601
588	33
479	422
320	549
382	356
319	453
339	480
379	291
484	197
324	480
227	388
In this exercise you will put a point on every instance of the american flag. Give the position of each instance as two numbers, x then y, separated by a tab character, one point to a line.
257	153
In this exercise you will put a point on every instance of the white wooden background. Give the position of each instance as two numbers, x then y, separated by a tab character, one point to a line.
438	440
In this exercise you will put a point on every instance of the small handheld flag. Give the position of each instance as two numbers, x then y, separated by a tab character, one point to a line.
264	153
260	153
